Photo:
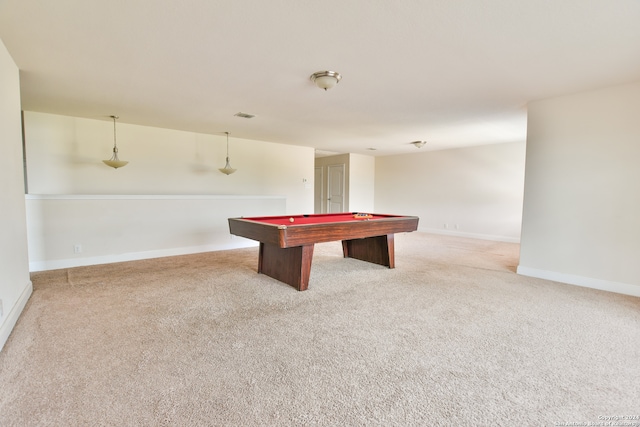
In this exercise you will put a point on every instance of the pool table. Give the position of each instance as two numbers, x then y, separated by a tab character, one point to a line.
286	242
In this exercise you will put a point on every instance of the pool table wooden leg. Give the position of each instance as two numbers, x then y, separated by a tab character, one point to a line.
378	250
289	265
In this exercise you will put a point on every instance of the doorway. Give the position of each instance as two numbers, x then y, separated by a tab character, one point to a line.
335	188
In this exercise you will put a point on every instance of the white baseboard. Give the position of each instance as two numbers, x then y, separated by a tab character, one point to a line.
587	282
12	318
237	243
459	233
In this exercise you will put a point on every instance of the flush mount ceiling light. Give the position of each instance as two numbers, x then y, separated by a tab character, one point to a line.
325	79
418	144
114	161
244	115
227	169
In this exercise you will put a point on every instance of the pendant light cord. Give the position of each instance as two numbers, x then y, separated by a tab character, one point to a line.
115	145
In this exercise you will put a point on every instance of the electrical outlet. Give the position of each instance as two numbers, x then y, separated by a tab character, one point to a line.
77	248
446	226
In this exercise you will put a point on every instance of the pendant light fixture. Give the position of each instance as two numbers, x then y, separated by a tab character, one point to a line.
114	161
227	170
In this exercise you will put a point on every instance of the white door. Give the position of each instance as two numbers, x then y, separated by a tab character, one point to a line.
335	188
318	192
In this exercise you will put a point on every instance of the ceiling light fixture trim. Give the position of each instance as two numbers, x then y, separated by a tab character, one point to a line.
326	79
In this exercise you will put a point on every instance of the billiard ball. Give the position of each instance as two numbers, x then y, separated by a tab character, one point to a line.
291	219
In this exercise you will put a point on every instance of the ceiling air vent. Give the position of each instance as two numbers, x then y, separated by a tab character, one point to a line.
245	115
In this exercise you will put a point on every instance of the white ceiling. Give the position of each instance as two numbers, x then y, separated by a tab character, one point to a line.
453	73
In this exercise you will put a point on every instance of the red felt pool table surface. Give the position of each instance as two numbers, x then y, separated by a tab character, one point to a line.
287	241
319	218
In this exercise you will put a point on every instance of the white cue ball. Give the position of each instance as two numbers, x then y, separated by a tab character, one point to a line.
291	219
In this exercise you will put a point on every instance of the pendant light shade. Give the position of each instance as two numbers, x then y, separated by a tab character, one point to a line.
227	169
114	161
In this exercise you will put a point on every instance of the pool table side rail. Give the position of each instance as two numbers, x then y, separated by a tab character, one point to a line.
298	235
261	232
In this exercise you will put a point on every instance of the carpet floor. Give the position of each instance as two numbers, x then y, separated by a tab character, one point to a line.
451	337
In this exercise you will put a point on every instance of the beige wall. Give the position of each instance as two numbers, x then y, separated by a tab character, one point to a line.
362	172
64	156
170	199
15	285
581	219
474	192
73	230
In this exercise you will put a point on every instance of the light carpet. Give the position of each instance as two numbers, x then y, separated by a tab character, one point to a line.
451	337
